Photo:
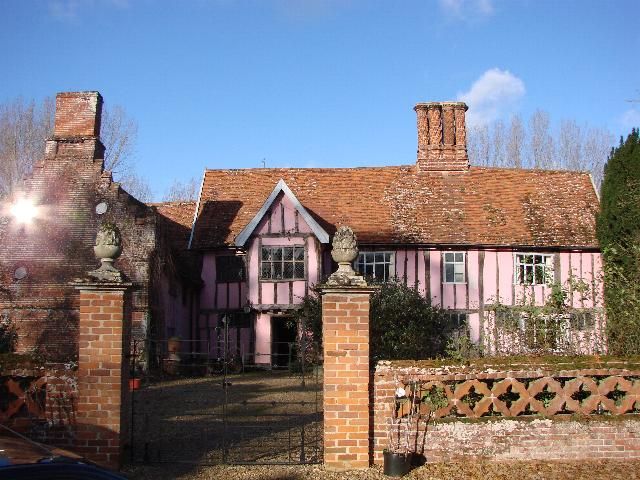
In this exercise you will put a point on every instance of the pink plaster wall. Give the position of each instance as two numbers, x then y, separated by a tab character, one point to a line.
434	257
263	338
207	297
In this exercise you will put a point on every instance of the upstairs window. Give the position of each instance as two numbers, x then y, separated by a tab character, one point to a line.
454	266
377	265
282	263
533	269
229	268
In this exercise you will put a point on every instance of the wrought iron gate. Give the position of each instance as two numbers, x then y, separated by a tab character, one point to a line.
269	413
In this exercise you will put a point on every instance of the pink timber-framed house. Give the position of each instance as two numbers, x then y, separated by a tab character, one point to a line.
256	241
466	237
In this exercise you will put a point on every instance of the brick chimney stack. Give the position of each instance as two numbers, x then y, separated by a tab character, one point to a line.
78	114
442	137
77	126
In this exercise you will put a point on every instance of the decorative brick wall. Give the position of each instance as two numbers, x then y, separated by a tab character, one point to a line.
528	413
345	319
102	372
41	402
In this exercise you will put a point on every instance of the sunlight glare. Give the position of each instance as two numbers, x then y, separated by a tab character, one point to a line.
24	211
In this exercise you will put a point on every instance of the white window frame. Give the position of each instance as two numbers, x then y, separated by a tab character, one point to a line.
520	268
455	263
391	262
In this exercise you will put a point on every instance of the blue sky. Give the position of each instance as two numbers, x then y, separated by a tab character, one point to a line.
228	83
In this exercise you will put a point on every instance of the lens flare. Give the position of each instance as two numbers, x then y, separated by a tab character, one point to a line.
24	211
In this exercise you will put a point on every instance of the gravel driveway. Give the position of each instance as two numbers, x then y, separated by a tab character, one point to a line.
601	470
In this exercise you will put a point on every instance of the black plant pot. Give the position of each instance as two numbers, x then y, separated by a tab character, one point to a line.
396	464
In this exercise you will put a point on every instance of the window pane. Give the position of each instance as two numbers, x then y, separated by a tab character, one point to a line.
539	274
287	253
288	270
369	257
380	272
266	253
299	270
459	257
379	257
277	271
448	257
299	253
459	277
368	270
448	272
528	275
459	269
276	253
387	257
266	270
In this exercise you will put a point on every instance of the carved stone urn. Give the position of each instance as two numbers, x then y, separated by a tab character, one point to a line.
345	248
108	247
344	252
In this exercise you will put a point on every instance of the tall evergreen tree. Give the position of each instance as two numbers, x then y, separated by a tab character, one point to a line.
618	229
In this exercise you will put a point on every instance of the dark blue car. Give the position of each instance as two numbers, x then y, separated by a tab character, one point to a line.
21	458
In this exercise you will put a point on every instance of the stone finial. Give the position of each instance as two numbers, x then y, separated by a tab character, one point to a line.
108	247
344	252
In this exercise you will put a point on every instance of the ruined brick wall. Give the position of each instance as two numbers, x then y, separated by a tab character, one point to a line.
503	415
57	246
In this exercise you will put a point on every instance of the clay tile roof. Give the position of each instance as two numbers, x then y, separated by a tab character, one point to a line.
174	221
177	218
398	205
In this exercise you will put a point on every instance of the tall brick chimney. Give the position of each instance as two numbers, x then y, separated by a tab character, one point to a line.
78	114
77	126
442	137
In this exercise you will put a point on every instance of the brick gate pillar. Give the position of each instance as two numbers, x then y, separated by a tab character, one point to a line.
103	371
345	332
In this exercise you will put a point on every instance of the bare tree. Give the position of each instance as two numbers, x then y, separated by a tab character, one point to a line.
499	153
541	144
25	126
181	192
570	146
118	134
516	143
596	149
137	186
479	145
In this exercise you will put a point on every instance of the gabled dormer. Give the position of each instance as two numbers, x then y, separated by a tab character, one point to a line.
282	213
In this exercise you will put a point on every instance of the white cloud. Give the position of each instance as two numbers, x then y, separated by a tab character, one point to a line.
71	9
494	94
630	119
467	9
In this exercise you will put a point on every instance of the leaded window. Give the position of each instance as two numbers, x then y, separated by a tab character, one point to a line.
377	265
533	269
229	268
282	263
454	267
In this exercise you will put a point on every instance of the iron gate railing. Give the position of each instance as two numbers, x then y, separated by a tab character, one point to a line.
262	415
